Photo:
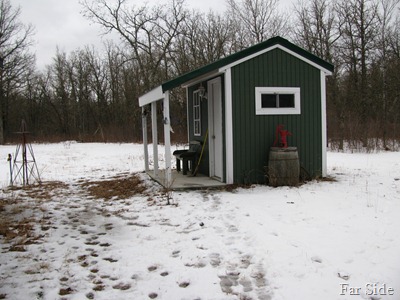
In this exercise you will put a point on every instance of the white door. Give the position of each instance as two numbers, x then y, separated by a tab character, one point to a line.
215	137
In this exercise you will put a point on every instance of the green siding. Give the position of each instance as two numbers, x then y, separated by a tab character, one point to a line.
253	134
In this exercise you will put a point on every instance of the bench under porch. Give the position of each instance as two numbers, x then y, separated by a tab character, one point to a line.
189	157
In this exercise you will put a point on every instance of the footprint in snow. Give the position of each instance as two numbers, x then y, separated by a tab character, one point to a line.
196	264
246	283
176	253
259	278
232	228
152	268
245	261
153	295
228	281
344	275
184	284
316	259
215	259
230	241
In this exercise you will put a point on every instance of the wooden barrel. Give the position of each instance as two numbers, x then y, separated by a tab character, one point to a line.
283	166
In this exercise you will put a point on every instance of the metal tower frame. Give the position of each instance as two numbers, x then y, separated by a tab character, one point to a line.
24	168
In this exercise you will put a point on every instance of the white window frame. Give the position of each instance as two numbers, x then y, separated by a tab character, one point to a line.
196	106
278	110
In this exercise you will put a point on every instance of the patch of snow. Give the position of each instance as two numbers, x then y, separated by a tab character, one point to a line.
258	243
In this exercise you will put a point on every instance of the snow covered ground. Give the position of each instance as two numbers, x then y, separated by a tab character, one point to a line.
324	240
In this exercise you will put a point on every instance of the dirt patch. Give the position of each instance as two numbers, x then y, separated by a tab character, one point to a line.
110	259
184	284
65	291
99	287
326	179
18	234
153	295
10	230
44	190
122	286
24	219
119	187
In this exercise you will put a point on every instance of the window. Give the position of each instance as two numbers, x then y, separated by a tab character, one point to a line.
277	101
196	114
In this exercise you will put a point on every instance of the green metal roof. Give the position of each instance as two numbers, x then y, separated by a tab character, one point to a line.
243	54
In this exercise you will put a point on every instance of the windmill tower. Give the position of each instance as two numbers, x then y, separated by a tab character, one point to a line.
24	168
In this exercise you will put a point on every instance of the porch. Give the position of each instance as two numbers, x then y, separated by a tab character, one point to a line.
185	182
211	134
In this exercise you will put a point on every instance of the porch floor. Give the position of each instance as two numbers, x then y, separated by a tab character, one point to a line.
186	182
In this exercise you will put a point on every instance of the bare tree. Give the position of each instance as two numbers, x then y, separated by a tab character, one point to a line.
387	10
259	19
317	28
148	32
394	37
62	91
205	38
15	60
359	35
393	77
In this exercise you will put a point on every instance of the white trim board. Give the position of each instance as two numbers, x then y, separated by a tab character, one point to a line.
327	72
228	126
324	125
152	96
295	91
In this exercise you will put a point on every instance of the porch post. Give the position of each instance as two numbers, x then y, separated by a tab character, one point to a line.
145	142
155	136
167	140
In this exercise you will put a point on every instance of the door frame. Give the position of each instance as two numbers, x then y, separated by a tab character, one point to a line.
211	128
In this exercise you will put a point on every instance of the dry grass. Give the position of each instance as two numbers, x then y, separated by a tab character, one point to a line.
122	286
21	215
119	187
17	215
45	190
10	230
326	179
65	291
19	234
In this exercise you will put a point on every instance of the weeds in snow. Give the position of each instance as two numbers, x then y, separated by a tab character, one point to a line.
120	187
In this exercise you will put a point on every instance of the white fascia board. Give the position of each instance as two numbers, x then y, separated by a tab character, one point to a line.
327	72
152	96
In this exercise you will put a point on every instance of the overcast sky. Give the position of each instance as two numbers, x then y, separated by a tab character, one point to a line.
59	23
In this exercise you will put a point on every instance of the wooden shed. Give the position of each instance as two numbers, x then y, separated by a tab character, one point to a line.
238	101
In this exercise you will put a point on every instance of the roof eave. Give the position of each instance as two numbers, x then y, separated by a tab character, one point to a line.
219	65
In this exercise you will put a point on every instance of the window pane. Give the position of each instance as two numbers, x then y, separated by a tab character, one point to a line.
277	100
286	100
268	100
196	114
